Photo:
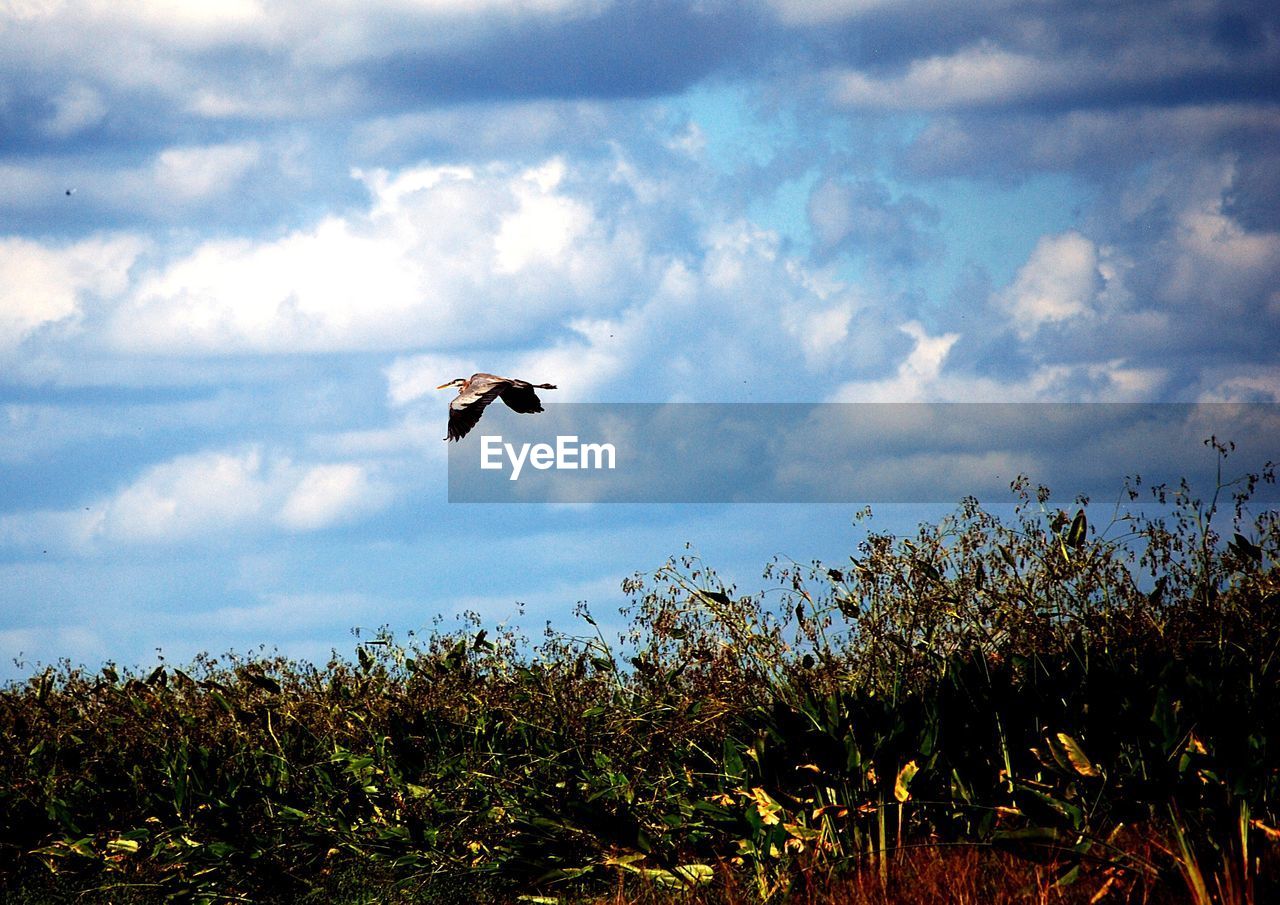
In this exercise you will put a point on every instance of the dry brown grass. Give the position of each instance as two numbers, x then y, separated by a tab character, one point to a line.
961	875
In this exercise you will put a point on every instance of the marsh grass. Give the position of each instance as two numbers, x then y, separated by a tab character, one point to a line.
1028	708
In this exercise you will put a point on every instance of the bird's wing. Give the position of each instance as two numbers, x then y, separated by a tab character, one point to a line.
467	407
520	397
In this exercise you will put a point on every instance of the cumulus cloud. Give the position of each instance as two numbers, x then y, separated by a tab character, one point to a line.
1059	281
1216	261
329	494
930	372
45	284
442	256
209	495
918	378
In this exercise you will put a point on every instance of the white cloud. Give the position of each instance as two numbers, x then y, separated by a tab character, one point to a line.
208	495
190	22
443	255
821	332
46	284
1220	264
1241	384
190	173
330	494
917	378
504	6
1060	280
544	225
977	75
187	497
922	376
416	376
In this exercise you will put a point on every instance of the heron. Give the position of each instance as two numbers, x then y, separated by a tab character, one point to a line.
478	390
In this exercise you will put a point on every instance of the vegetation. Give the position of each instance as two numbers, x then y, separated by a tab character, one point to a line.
1026	708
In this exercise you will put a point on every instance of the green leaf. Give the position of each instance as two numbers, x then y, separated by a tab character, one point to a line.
1079	527
1245	548
903	780
694	874
928	569
1076	757
1046	810
266	683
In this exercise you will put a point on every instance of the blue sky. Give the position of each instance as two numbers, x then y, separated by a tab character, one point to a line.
289	222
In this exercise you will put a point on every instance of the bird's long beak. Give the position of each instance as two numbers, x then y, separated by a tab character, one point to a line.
445	386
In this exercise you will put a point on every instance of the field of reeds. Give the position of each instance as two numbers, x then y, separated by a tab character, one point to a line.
1031	707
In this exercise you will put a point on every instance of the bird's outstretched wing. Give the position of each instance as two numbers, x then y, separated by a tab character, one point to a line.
520	397
465	410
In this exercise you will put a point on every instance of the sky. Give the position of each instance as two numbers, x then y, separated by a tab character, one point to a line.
241	243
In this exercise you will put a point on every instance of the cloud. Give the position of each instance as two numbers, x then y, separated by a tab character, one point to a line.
1096	144
1216	260
187	173
510	130
443	255
927	55
862	217
78	107
209	495
186	497
43	285
325	495
823	12
981	75
1059	281
157	71
931	372
543	226
918	377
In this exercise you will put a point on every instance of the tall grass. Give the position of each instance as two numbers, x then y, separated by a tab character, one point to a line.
1097	707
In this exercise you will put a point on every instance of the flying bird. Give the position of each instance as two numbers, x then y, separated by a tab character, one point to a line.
478	390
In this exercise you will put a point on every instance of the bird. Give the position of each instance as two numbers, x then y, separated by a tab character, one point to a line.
478	390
